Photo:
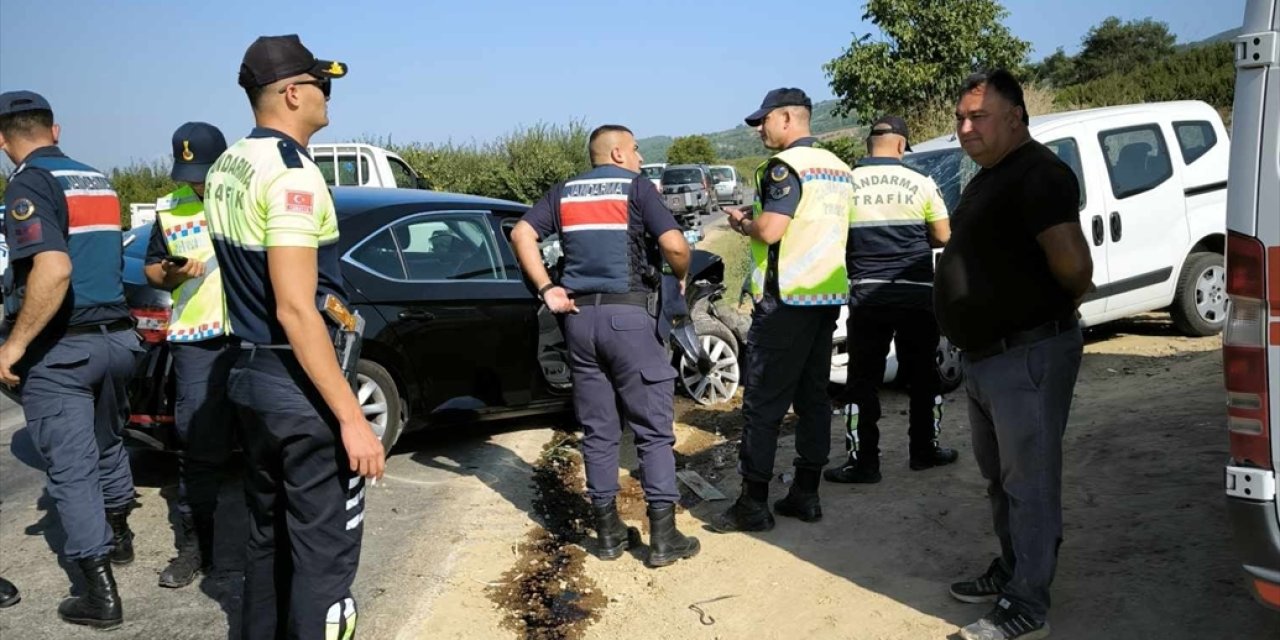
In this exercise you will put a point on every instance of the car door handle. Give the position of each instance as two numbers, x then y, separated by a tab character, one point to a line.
1115	226
1099	232
416	314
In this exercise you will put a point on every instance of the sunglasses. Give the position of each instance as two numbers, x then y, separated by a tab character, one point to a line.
325	85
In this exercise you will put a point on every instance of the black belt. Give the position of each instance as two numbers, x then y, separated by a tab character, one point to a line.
105	327
635	298
1020	338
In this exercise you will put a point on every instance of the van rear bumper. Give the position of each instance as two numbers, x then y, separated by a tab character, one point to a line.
1257	540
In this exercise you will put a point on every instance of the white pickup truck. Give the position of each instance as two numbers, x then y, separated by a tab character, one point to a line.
351	164
1153	194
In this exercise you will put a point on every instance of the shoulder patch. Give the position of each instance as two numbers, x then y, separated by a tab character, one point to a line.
779	191
779	172
22	209
289	154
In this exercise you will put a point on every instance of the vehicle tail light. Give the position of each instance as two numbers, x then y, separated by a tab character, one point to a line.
152	323
1244	352
1267	592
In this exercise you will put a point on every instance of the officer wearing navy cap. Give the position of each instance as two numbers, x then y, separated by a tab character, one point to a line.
180	259
615	232
797	228
307	442
71	347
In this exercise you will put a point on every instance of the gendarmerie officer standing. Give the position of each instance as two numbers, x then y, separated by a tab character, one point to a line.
798	233
615	232
898	215
71	347
180	259
1006	293
307	442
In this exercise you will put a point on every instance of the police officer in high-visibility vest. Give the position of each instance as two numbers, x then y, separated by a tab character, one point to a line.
898	215
308	445
71	346
798	230
615	232
180	259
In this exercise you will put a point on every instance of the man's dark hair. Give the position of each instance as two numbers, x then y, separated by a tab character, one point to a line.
606	128
255	95
1003	83
24	124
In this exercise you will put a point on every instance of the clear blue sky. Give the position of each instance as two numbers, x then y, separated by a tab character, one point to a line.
123	74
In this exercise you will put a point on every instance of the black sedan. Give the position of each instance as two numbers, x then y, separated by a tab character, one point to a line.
453	332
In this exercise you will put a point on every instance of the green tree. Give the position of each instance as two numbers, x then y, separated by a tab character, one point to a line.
691	150
847	148
1057	70
928	48
1119	47
140	183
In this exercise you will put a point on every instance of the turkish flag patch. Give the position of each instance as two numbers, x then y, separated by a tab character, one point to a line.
298	201
28	233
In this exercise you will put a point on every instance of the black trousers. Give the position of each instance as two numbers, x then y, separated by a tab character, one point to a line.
872	329
306	506
788	364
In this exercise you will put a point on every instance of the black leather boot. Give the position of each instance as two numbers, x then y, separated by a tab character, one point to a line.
182	570
9	595
99	607
749	513
802	499
935	456
666	543
121	536
613	535
860	471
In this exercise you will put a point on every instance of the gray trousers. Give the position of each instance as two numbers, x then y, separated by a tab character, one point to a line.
205	420
1018	406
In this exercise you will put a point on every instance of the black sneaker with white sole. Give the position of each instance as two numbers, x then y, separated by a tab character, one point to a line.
985	588
1006	622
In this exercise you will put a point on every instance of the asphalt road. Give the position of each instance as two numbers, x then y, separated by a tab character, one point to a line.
436	492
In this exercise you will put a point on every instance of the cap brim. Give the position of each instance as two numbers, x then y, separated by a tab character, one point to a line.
184	172
328	69
756	118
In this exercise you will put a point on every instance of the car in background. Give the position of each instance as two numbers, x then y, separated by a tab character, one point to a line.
728	184
352	164
1251	340
653	171
687	191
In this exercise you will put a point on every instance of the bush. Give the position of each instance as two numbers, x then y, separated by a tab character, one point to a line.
140	183
1204	73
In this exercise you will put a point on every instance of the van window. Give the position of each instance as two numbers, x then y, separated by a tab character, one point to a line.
1194	139
1137	159
348	173
722	174
403	174
1069	152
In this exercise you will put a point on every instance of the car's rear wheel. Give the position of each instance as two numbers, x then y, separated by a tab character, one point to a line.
950	373
1200	303
380	401
721	383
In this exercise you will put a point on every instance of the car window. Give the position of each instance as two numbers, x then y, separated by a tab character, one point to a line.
379	255
722	174
1194	139
402	174
682	176
448	248
1137	159
951	169
651	172
1069	152
348	173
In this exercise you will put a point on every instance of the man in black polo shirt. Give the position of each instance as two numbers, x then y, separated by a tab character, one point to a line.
1005	293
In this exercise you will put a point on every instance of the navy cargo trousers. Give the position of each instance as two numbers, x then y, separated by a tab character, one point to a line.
621	372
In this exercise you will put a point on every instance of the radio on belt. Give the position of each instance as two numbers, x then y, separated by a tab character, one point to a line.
346	342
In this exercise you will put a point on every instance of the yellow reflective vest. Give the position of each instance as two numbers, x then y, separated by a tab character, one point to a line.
198	311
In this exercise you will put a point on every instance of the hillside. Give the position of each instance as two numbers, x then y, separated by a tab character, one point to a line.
743	141
1225	36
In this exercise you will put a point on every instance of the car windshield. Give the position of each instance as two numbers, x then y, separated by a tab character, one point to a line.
950	168
722	174
654	172
682	176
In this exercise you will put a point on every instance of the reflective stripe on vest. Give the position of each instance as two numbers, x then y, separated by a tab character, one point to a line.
594	216
811	254
198	311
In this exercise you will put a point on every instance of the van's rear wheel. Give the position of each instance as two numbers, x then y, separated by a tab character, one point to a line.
1200	303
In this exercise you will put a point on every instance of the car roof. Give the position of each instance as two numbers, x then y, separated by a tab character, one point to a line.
1038	124
354	201
685	166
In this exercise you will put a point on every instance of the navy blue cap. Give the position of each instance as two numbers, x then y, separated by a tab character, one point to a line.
783	97
196	145
272	58
19	101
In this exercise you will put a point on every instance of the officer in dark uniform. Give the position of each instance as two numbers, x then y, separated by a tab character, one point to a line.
308	445
71	347
898	216
798	231
180	259
615	232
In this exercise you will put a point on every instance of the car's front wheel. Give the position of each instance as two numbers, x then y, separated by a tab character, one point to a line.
1200	302
380	401
950	373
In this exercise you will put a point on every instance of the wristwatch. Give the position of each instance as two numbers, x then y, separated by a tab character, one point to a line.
545	288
